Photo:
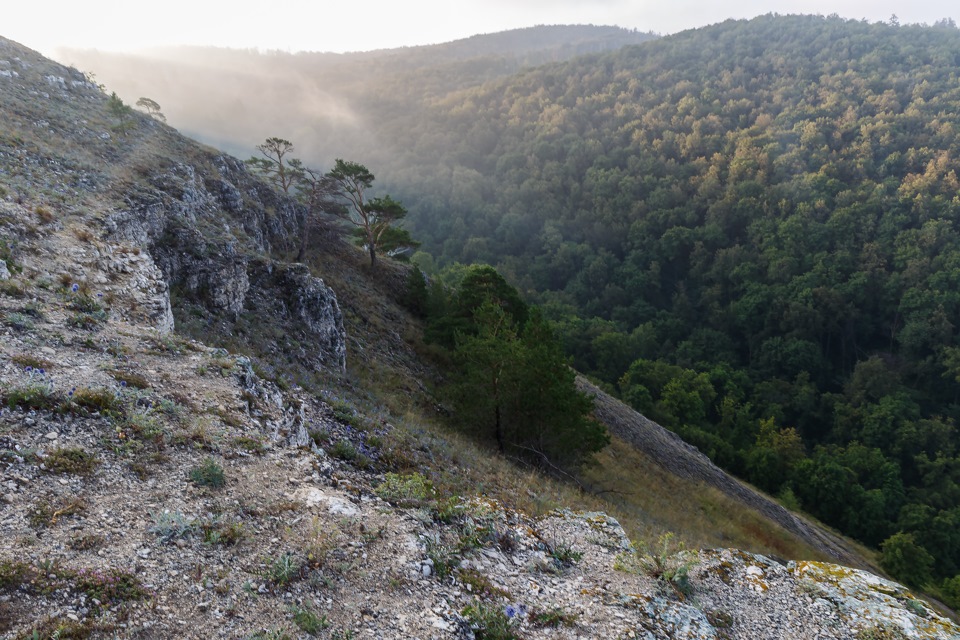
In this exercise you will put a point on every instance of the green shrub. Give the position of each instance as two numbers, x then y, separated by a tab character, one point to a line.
109	586
130	379
70	460
906	560
404	490
251	445
553	617
98	399
283	570
216	532
308	621
169	526
36	393
493	623
208	474
667	561
31	362
18	321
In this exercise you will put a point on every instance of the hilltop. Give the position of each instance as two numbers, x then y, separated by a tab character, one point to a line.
283	477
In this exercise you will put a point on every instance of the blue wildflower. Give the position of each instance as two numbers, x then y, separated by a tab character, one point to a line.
28	368
123	383
510	611
75	287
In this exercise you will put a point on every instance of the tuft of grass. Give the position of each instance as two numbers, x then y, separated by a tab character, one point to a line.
130	379
144	425
169	526
208	474
70	460
96	399
343	449
563	554
490	622
25	360
12	289
34	394
86	321
216	532
250	445
283	569
667	561
479	585
444	559
86	542
308	621
18	321
553	617
410	490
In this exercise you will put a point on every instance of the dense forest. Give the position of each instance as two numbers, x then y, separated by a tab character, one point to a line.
750	231
747	231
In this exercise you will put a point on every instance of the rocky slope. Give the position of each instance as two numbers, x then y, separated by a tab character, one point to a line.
156	487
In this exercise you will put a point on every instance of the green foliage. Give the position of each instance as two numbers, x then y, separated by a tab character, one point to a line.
667	561
170	526
308	620
415	296
208	474
906	560
18	321
274	166
489	622
554	617
951	591
70	460
444	560
130	379
517	389
122	112
374	218
283	569
96	399
404	490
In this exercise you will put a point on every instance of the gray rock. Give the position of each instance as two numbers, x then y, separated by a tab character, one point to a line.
4	271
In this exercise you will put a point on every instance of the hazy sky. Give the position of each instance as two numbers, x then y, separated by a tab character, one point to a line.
360	25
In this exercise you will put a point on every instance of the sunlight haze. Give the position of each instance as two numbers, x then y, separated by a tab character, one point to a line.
294	25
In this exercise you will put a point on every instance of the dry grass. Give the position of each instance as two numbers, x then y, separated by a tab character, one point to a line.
653	500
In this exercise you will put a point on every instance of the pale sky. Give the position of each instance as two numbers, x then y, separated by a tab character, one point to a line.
362	25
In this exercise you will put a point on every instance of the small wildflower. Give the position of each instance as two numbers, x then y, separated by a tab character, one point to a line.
123	383
28	368
75	287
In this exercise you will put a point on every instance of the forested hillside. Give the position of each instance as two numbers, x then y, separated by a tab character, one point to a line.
752	231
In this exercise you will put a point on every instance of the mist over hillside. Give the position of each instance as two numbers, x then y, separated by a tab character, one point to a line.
331	104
